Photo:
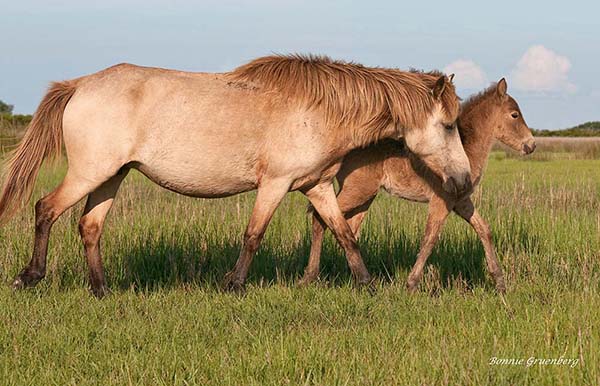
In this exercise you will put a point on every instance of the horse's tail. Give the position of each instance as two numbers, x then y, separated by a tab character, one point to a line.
43	139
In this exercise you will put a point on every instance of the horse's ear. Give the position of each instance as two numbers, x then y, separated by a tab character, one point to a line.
501	88
438	88
451	78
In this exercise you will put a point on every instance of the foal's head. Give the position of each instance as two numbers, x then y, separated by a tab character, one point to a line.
438	144
510	127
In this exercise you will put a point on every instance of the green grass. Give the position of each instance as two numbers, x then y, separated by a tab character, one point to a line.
167	322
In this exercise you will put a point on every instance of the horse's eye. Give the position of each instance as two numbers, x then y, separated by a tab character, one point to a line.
515	115
449	127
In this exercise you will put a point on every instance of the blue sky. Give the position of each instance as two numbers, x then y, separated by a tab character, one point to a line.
549	53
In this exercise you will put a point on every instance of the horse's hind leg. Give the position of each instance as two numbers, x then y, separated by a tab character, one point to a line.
97	206
466	210
47	211
269	195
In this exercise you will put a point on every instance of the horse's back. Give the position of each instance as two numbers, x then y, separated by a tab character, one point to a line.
199	134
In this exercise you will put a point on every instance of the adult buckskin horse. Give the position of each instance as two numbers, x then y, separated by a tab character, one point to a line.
276	124
490	115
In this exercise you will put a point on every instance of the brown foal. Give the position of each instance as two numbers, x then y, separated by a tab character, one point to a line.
485	117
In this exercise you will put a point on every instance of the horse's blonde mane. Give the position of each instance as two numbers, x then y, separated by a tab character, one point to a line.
364	99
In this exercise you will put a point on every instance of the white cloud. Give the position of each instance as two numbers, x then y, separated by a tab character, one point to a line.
542	70
467	74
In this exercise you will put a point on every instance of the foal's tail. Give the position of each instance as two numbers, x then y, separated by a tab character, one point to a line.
42	140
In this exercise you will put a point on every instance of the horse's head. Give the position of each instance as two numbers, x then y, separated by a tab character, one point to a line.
438	143
510	126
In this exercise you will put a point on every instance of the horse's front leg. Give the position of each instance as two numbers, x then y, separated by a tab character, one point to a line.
437	214
322	197
269	195
354	204
466	210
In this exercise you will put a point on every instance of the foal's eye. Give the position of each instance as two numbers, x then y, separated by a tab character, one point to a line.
515	115
449	127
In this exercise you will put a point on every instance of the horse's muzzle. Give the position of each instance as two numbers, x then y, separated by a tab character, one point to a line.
460	186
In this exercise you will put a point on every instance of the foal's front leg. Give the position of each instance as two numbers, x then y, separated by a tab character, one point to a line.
466	210
438	212
269	195
323	199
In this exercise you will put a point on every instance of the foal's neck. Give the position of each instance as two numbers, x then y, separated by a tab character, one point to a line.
477	135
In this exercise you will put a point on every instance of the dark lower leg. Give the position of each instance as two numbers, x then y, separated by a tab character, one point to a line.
90	234
35	271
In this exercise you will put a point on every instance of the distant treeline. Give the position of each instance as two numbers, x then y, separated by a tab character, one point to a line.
588	129
8	119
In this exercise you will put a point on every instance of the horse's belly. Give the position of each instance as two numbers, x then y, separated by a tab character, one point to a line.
199	180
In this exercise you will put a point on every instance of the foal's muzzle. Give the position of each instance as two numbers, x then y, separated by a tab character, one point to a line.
529	147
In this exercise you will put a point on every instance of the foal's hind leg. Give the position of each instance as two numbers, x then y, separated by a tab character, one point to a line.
323	199
311	272
269	195
47	211
467	210
438	212
97	206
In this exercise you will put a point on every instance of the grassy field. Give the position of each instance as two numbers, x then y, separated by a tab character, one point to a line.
167	323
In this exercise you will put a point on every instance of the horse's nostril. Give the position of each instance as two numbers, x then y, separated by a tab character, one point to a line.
529	148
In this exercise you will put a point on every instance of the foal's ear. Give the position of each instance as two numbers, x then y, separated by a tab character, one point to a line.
438	88
501	88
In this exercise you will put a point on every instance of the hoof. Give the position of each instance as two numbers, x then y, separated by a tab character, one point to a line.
499	282
26	280
101	291
230	284
501	288
235	288
412	286
17	284
367	284
307	280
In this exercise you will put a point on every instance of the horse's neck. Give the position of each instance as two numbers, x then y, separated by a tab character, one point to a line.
360	137
478	138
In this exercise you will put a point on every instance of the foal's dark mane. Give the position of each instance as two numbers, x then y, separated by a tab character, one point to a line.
476	99
474	103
